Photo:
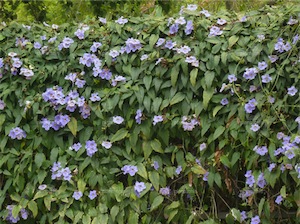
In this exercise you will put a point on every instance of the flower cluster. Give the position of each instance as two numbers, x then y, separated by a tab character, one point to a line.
10	218
59	173
17	133
250	180
189	123
129	169
91	147
250	106
59	122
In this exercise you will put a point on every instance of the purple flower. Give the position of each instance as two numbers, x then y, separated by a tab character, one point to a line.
178	170
66	173
221	21
170	44
164	191
92	194
67	42
95	46
273	58
261	182
95	97
243	216
266	78
261	37
80	83
2	105
102	20
157	119
138	116
224	101
271	166
76	146
262	150
46	124
144	57
181	21
297	119
17	133
205	176
36	45
192	7
106	144
28	73
205	13
42	187
139	187
250	73
130	169
121	20
232	78
77	195
250	106
255	220
155	165
271	99
262	65
278	199
160	42
17	63
132	45
295	39
255	127
80	34
189	27
118	119
189	124
118	78
183	49
249	178
292	91
292	21
24	213
245	194
114	53
91	147
215	31
174	28
202	146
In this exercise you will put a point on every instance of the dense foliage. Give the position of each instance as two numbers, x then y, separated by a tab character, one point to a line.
152	119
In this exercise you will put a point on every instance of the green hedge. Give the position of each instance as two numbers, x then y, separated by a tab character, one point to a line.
107	123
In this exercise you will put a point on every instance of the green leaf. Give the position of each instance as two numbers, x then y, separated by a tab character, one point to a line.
156	104
216	110
156	202
173	205
147	81
174	75
81	185
154	179
197	169
142	171
283	191
39	159
156	146
147	149
224	159
235	158
218	132
193	76
16	210
207	95
114	212
261	205
172	215
209	78
86	219
40	194
32	205
177	98
152	40
133	217
72	125
232	40
218	180
119	135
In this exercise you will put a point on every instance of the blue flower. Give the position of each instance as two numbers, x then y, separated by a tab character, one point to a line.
178	170
77	195
92	194
17	133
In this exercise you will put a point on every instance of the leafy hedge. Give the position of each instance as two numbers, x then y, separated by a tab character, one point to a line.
152	119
